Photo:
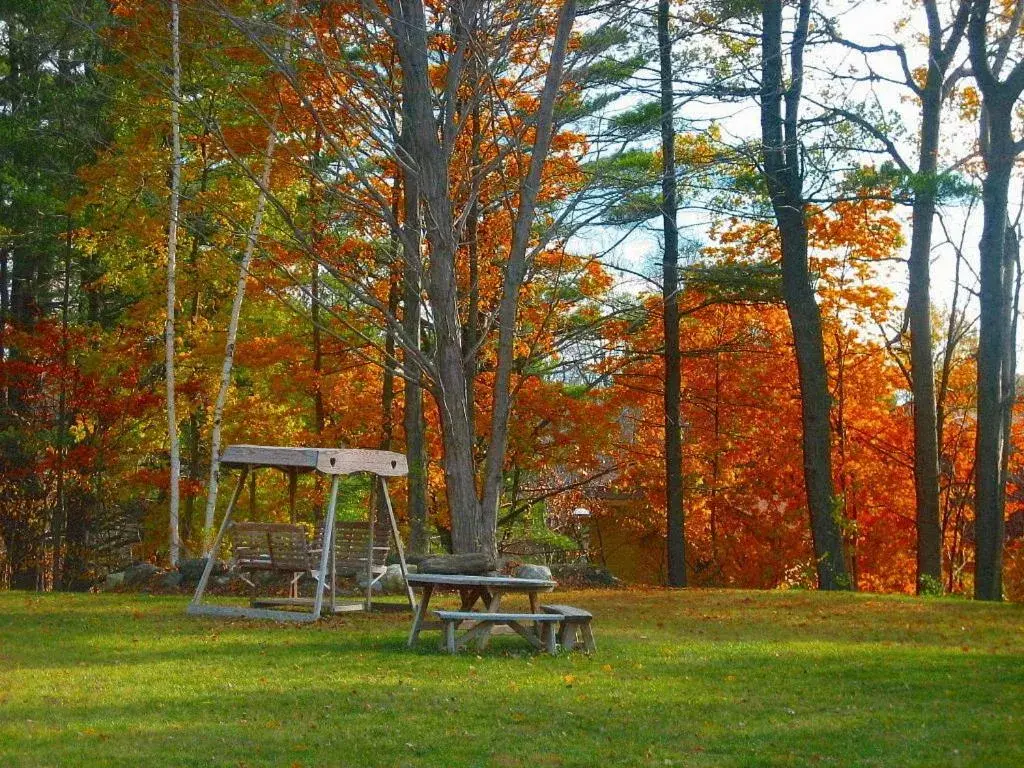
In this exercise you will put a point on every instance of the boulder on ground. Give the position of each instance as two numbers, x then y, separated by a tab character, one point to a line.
393	582
585	575
377	589
139	574
531	571
471	563
191	570
113	580
171	580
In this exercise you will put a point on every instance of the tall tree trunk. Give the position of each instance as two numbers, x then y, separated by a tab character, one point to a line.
318	350
4	315
60	516
474	520
387	390
251	240
1011	304
472	331
412	414
675	513
515	274
784	177
927	436
926	445
991	352
172	251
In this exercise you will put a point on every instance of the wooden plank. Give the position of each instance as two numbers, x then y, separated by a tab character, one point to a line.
398	543
197	598
330	461
474	633
548	633
527	634
455	580
328	538
270	456
345	461
493	617
421	610
588	638
568	611
567	635
305	602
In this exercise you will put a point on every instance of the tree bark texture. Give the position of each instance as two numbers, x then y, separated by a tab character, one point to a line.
784	177
676	520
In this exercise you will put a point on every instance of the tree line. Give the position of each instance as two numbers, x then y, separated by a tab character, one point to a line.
417	227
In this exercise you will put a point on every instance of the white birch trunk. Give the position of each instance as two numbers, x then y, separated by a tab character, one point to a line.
172	253
251	240
229	351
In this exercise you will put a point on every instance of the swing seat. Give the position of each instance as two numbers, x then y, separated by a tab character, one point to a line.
352	550
278	547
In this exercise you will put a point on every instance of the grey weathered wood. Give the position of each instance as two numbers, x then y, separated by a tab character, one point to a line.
272	547
305	602
398	543
573	620
332	505
466	563
588	637
527	634
484	622
569	611
567	635
369	552
421	610
507	583
490	589
548	631
449	636
330	461
496	617
294	460
197	598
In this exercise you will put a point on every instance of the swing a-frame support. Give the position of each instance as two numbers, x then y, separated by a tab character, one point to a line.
332	462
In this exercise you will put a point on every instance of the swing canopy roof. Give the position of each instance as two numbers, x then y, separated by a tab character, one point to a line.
329	461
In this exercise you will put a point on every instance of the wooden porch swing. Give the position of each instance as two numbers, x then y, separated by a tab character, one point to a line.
338	549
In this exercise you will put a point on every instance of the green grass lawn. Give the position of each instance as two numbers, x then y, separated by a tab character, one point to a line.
701	678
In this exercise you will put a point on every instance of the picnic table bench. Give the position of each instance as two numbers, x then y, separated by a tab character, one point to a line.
483	622
573	620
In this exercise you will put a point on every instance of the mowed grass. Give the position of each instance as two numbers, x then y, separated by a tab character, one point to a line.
695	678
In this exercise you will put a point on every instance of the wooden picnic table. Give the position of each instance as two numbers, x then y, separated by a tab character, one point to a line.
487	589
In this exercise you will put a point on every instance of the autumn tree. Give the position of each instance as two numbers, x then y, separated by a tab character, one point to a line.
925	186
783	173
1000	78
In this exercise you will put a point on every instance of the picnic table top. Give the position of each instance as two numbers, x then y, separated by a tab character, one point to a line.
498	582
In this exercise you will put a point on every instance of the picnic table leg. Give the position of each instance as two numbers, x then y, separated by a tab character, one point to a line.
493	606
421	611
468	597
548	632
588	638
534	608
449	636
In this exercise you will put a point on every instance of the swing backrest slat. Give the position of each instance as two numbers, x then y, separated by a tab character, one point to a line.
352	547
272	547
